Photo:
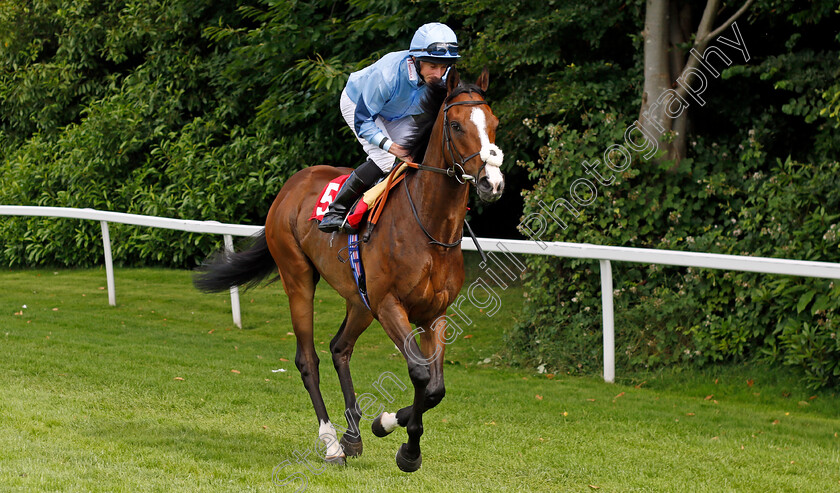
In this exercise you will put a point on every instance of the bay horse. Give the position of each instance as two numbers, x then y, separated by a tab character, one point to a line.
413	261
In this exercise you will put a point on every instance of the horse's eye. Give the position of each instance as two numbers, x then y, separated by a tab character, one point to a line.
455	126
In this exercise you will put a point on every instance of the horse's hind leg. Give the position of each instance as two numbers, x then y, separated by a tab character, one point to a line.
358	319
299	280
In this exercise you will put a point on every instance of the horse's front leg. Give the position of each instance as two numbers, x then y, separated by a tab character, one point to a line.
433	345
395	322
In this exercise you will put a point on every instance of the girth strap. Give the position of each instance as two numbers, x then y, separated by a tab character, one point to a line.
353	252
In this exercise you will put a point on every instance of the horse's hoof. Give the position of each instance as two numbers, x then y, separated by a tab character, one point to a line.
377	427
404	463
351	449
338	460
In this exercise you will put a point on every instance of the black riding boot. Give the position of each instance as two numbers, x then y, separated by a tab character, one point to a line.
359	181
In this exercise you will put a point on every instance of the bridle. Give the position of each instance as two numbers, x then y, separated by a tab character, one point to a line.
449	146
455	171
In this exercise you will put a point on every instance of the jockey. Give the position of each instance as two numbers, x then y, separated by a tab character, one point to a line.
379	103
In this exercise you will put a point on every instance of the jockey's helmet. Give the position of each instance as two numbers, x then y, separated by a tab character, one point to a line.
435	42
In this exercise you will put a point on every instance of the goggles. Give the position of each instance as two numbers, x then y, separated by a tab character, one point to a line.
440	49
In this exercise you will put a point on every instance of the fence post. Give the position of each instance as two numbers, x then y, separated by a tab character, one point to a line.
109	264
234	291
609	321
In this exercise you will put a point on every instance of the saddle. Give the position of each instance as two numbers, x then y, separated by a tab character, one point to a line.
369	204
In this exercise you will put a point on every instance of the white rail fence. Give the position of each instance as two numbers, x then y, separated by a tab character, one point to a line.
604	254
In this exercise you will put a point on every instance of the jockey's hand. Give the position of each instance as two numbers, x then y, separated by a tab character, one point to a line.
400	152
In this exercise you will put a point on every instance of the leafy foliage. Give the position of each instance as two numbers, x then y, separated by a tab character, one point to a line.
186	109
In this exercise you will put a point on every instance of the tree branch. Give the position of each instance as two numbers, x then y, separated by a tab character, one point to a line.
729	21
706	22
704	37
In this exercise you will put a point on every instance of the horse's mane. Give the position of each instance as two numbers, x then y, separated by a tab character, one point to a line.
430	106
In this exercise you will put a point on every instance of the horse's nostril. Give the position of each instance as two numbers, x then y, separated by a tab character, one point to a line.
492	153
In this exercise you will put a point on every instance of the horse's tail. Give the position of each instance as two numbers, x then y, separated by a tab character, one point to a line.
225	270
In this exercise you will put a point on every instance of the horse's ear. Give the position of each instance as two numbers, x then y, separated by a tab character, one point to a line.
452	80
483	79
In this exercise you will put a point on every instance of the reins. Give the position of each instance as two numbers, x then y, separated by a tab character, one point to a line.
432	239
450	172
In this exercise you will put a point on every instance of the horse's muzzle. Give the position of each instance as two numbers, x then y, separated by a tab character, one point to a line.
490	191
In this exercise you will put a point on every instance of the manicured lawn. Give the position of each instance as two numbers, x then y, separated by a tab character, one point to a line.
163	393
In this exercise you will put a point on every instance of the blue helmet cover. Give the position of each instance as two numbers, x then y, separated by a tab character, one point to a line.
433	32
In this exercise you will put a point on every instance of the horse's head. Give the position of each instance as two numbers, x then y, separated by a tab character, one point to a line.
469	135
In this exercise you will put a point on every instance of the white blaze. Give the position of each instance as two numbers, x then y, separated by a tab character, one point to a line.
327	433
490	153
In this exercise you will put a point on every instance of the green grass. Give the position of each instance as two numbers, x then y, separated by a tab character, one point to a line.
89	401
